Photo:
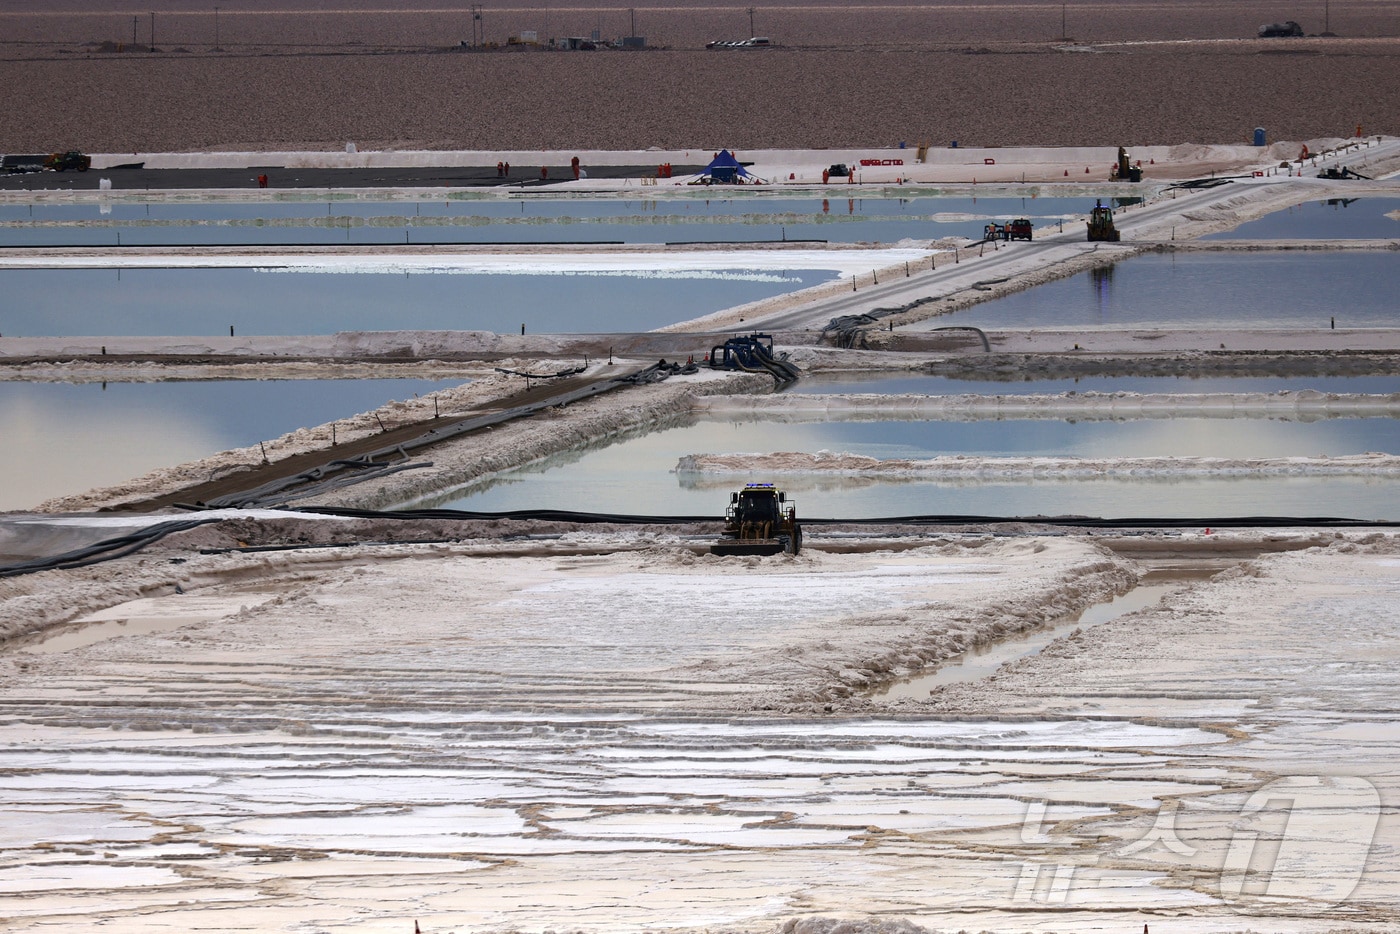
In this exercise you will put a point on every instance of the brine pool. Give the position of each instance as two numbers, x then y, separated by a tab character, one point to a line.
1189	291
66	438
1168	292
637	475
208	301
925	384
523	219
1328	219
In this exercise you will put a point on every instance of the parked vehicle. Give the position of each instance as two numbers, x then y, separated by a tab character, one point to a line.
72	159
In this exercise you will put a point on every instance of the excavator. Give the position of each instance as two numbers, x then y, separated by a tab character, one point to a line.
760	520
1124	170
1101	224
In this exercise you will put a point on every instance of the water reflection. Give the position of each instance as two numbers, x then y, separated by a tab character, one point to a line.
832	383
636	475
190	302
1332	219
1206	290
62	438
525	220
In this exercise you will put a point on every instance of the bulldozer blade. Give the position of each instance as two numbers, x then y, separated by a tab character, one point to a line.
763	546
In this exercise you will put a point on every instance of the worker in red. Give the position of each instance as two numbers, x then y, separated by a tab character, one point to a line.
574	164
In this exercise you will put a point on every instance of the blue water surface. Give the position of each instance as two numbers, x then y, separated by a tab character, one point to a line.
193	302
1190	291
521	220
64	438
637	475
1367	218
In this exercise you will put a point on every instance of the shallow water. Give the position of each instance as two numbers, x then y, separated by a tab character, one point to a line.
194	302
64	438
635	476
1330	219
522	220
920	384
1188	291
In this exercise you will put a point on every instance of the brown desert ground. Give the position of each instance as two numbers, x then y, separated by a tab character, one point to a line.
274	75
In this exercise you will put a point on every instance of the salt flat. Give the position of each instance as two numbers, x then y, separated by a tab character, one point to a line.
605	731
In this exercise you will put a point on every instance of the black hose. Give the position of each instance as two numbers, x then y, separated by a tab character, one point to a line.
1148	522
104	550
128	544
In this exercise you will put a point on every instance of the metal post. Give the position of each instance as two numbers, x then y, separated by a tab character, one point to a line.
216	29
751	33
153	31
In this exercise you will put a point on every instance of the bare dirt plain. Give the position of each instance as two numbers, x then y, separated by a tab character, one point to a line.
276	76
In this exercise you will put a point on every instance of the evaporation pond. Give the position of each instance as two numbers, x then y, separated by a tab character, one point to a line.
522	219
880	383
1191	291
637	475
1330	219
65	438
208	301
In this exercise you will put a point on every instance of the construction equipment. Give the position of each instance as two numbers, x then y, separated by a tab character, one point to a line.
760	520
753	354
1101	224
72	159
1333	172
1124	170
1019	229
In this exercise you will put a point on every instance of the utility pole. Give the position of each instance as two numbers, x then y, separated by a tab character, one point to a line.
1064	33
216	29
632	14
153	31
751	33
1327	18
478	31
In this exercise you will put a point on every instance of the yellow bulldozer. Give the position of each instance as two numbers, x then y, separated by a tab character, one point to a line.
760	520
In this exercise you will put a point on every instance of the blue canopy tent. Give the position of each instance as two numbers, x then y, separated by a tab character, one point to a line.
724	169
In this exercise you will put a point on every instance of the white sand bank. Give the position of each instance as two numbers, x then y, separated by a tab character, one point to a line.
962	467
